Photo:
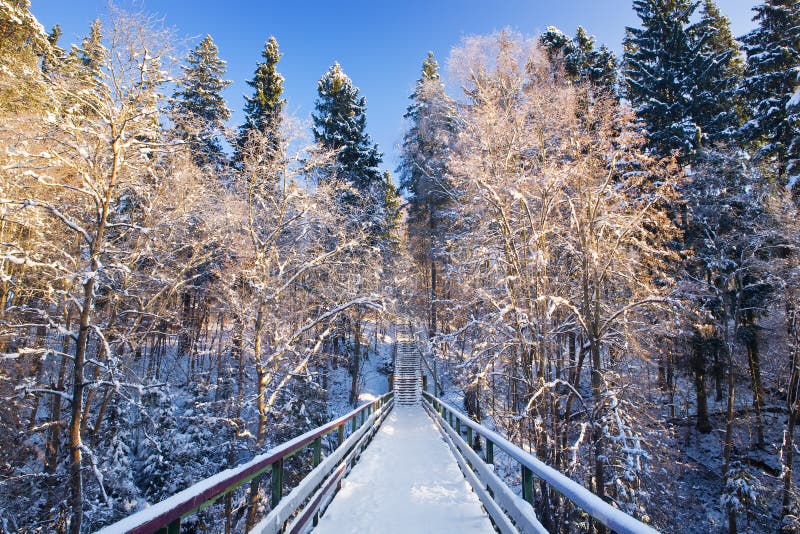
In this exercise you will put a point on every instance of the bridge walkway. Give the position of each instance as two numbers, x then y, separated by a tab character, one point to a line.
406	481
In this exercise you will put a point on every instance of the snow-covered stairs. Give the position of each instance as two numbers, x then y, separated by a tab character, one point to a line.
407	370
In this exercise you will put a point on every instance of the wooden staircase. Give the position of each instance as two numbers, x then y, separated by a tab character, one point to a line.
407	369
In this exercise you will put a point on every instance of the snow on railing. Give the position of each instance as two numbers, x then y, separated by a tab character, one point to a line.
166	515
499	500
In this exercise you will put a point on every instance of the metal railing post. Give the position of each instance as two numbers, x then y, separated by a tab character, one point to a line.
527	484
277	482
317	451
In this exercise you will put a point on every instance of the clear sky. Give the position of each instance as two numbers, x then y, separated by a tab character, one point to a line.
379	43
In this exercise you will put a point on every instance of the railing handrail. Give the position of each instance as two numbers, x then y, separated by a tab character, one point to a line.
596	507
173	508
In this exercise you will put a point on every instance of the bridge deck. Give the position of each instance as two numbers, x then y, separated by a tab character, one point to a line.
405	481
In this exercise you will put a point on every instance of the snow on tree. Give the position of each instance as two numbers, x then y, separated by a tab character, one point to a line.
715	104
264	110
580	59
23	42
559	242
198	108
423	173
676	73
771	81
340	125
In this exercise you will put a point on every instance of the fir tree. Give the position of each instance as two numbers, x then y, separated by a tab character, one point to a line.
340	124
264	110
198	107
391	201
771	84
92	54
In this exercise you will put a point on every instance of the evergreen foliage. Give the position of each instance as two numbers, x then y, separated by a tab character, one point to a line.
718	71
23	42
581	60
264	110
771	86
340	124
679	74
198	108
422	169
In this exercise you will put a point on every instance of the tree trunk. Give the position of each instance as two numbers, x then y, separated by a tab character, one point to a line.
699	347
729	417
793	403
356	360
75	443
754	363
262	381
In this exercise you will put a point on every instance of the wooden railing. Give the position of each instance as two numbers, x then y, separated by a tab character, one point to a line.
353	432
508	512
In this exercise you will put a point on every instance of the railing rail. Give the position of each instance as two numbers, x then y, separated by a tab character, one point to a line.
166	515
600	510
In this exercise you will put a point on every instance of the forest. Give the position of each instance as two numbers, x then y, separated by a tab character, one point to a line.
599	255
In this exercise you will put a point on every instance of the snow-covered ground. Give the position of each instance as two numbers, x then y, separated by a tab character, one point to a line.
406	481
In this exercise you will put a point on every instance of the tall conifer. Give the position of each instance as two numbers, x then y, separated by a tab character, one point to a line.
771	86
340	124
264	110
198	107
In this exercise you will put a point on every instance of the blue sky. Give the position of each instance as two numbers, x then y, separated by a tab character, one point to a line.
380	44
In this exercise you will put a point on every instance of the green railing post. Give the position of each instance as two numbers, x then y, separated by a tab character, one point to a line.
469	436
489	452
317	451
277	482
172	528
458	426
353	423
340	432
527	484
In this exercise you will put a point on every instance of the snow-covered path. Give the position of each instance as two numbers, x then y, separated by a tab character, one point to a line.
406	481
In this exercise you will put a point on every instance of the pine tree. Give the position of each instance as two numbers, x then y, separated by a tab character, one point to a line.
198	107
264	110
424	151
340	124
771	84
582	62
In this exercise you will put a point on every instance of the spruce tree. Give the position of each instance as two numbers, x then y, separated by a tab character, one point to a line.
718	71
582	61
340	124
422	167
264	110
23	42
657	74
771	84
423	173
198	108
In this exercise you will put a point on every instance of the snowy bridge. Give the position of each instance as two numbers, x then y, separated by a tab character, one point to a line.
401	463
